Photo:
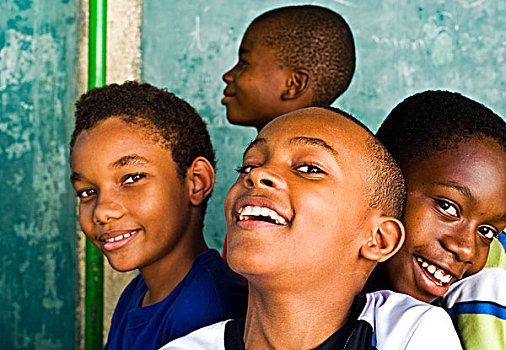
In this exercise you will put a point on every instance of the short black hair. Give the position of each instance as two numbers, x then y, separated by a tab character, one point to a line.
386	186
315	38
433	121
173	121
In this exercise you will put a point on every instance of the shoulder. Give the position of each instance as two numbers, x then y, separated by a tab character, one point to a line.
402	322
207	338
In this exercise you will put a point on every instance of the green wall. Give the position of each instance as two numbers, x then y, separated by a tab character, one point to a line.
38	56
402	47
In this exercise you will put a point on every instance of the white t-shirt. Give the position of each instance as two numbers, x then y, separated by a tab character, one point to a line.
398	321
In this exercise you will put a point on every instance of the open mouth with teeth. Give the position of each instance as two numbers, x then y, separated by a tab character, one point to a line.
439	276
120	237
257	213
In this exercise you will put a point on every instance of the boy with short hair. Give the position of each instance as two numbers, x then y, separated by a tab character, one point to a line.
315	207
452	151
143	169
290	57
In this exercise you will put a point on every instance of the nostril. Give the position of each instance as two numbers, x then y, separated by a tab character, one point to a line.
267	182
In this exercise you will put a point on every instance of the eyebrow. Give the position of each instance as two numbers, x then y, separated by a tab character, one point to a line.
131	159
254	143
319	143
462	189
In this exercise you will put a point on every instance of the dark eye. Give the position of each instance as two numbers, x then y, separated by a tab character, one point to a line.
310	169
487	232
245	169
132	178
86	193
448	208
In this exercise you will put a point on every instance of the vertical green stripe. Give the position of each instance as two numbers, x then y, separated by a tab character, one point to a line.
94	270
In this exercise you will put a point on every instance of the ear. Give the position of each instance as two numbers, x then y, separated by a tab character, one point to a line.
386	240
297	84
200	177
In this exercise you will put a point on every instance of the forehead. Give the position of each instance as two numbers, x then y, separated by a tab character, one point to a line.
113	136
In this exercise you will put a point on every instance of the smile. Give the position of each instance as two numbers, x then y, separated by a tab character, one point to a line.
120	237
441	277
250	212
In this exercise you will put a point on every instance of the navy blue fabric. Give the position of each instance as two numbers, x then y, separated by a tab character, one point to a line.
209	293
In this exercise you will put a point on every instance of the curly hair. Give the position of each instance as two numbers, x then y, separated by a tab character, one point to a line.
167	118
315	38
386	186
433	121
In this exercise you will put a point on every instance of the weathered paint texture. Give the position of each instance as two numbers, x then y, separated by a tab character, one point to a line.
38	53
402	47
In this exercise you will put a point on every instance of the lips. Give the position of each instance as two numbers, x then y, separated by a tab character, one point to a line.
116	239
227	97
259	211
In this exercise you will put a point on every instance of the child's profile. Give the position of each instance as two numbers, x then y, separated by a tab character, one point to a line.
289	58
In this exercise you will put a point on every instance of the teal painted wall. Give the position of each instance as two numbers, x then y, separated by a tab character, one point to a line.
38	56
402	47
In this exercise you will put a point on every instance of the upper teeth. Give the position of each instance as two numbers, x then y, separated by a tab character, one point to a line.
435	271
120	237
250	210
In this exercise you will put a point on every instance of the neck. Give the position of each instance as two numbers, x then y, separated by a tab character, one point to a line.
167	272
301	320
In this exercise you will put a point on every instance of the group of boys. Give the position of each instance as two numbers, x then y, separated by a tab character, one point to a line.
344	237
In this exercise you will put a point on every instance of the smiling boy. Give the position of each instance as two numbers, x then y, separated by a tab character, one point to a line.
143	169
452	151
315	207
289	58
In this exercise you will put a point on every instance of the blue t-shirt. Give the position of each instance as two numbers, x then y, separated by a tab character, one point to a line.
210	292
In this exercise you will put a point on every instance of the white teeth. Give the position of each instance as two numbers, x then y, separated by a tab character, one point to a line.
119	238
247	211
438	274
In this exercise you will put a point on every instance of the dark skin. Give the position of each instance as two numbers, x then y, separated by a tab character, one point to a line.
134	206
290	171
259	88
456	204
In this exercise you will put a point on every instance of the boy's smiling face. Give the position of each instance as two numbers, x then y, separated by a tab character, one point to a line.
133	205
255	84
298	208
456	203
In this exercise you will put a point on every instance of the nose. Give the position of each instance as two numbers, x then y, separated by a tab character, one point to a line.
107	210
228	76
263	177
462	244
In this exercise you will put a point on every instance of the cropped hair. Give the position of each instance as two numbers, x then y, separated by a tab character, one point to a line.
433	121
386	186
314	38
167	118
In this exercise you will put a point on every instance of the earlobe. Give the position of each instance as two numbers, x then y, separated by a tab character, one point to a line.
201	178
297	84
387	239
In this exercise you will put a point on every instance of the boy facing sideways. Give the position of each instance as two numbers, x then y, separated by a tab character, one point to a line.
315	207
143	169
452	151
290	57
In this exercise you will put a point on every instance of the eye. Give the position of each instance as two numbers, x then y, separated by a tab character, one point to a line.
310	169
448	207
86	193
245	169
132	178
487	232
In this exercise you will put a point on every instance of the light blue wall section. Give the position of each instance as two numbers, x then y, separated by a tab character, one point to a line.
402	47
38	55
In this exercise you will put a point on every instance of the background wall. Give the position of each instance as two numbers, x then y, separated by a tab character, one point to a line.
38	55
402	47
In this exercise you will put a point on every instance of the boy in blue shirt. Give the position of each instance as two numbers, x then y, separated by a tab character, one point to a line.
143	169
290	57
